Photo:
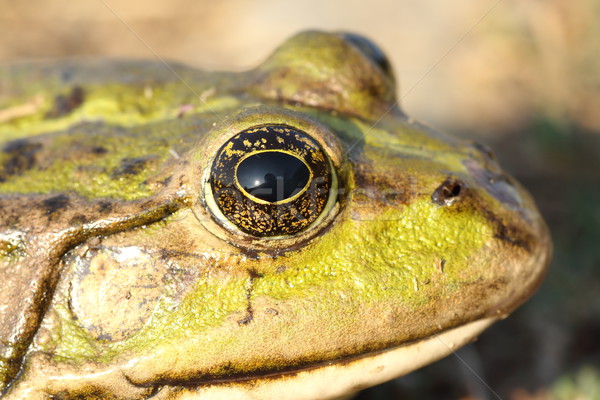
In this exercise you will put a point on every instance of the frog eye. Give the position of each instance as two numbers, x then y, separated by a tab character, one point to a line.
271	181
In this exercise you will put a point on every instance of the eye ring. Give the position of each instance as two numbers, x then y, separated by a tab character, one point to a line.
303	199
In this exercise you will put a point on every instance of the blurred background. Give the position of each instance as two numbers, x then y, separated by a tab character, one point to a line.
522	76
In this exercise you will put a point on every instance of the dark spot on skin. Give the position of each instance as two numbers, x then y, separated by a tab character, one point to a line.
508	234
184	109
254	274
147	205
394	197
249	310
449	191
168	254
79	219
131	166
440	264
105	337
65	104
155	390
164	254
12	220
22	157
105	207
250	253
373	186
281	269
56	203
99	150
248	318
165	182
160	183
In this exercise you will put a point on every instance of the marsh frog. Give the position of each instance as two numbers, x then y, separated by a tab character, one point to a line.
281	233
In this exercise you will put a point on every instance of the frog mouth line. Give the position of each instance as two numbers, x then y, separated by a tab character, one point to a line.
353	372
470	329
349	374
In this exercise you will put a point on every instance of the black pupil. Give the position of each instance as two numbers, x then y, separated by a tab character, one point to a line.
272	175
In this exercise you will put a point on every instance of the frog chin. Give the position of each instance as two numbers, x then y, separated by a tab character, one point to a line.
338	378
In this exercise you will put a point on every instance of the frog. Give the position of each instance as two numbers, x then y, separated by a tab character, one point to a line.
283	232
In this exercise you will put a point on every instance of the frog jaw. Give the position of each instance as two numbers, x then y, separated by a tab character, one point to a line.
337	379
327	381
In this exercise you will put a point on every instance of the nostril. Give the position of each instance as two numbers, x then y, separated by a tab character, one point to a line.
449	191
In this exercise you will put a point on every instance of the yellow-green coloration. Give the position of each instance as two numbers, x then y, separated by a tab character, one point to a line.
60	178
393	252
341	80
114	104
11	247
122	277
155	107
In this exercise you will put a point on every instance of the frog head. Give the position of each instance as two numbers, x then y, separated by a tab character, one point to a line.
294	236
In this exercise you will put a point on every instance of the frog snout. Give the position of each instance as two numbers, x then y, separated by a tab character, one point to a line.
497	183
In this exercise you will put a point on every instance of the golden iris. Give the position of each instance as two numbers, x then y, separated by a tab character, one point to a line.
271	180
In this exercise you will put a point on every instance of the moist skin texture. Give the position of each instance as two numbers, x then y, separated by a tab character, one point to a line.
123	279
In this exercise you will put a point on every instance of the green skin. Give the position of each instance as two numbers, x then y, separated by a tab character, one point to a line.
113	257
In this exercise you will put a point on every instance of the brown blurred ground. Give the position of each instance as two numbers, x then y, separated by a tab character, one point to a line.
521	75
